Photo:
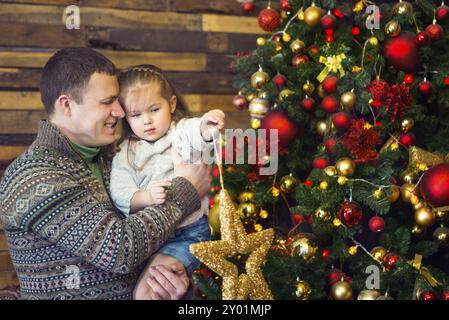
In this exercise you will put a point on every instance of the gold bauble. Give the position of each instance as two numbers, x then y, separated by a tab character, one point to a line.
321	92
288	184
286	37
424	217
251	96
330	171
378	253
214	218
301	14
407	124
408	176
368	295
305	246
255	123
407	191
261	41
275	192
342	180
341	290
348	99
323	214
378	194
258	107
248	212
324	185
313	15
284	94
403	7
322	127
393	28
394	195
441	235
246	196
263	214
345	167
259	79
352	250
308	88
302	290
297	46
441	215
373	41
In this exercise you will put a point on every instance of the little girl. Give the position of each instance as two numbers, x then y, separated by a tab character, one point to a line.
143	167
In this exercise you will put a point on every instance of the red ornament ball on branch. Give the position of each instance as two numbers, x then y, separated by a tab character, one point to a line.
407	139
422	38
330	84
320	163
376	224
355	31
435	185
446	81
285	5
308	103
269	19
248	6
408	78
350	213
426	88
402	52
299	59
442	13
240	102
328	22
341	120
286	128
428	296
279	80
390	260
330	104
435	31
330	144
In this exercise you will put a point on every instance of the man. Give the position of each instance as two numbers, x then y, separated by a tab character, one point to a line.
66	239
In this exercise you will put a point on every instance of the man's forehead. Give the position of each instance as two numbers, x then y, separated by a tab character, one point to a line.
102	84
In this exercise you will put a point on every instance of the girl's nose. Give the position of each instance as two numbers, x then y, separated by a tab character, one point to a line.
147	119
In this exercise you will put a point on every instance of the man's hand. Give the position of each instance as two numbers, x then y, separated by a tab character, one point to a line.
168	284
211	123
199	175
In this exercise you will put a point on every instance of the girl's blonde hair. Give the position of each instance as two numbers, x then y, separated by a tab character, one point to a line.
141	75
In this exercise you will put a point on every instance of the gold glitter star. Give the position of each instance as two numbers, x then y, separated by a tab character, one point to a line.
235	241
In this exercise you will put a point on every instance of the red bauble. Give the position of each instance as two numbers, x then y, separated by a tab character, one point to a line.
408	78
298	59
308	183
446	81
422	38
402	52
328	22
442	13
407	139
298	218
279	80
248	6
376	224
287	129
390	260
320	163
335	275
314	49
426	88
308	103
445	296
329	104
285	5
329	38
269	19
435	31
240	102
355	31
435	185
350	213
330	84
337	12
341	120
428	295
330	144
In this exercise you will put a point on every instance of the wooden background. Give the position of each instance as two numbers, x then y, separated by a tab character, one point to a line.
193	40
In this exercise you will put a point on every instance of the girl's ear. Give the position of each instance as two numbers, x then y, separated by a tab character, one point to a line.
173	101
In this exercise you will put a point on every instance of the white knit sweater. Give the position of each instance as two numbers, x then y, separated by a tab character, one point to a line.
154	162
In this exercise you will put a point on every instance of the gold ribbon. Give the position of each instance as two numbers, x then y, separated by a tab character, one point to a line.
423	271
418	157
332	64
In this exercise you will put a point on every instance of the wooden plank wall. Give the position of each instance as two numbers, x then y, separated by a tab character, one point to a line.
193	40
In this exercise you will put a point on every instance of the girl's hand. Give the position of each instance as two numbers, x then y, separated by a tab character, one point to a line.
157	191
211	123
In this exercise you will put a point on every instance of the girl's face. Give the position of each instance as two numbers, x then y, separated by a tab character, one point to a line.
147	112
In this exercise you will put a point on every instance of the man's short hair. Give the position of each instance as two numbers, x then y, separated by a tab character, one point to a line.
68	72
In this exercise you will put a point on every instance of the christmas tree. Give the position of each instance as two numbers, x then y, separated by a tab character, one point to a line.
359	94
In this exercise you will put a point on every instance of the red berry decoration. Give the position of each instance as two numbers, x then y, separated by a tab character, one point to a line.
435	185
408	78
422	38
428	295
329	21
330	144
269	19
240	102
314	49
355	31
407	139
390	260
435	31
298	218
330	84
308	183
446	81
308	103
329	104
402	52
320	163
298	59
287	129
279	80
248	6
350	213
329	38
445	296
341	120
426	88
285	5
376	224
337	12
442	13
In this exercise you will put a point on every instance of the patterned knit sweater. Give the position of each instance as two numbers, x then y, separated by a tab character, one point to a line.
66	239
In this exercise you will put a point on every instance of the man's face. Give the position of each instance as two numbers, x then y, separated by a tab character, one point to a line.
94	120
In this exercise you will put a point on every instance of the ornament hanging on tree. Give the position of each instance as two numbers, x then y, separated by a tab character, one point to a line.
403	7
320	163
348	100
376	224
341	290
350	213
298	60
312	15
426	87
435	31
330	144
355	31
269	19
368	295
330	104
428	296
297	46
345	166
393	28
341	120
408	78
288	184
435	185
330	84
240	102
402	52
308	88
287	129
422	38
390	260
329	22
441	235
407	124
304	245
378	253
258	108
408	192
248	6
280	80
302	290
442	12
308	103
285	5
407	139
259	79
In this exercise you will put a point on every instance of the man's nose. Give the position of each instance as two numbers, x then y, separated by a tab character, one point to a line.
117	110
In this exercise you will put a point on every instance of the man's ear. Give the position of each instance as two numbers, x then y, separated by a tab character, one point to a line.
62	105
173	102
